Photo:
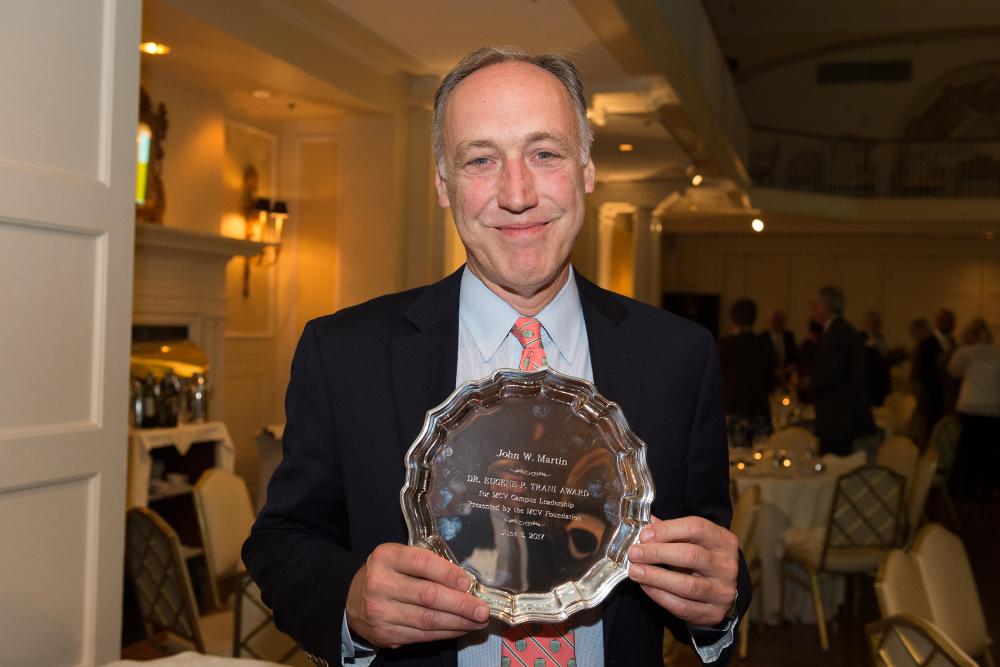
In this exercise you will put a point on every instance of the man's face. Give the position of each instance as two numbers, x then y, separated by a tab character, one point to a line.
945	322
512	175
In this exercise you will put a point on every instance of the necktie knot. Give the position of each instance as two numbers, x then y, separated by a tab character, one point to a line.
528	331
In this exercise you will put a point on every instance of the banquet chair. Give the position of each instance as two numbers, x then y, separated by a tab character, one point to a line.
944	439
896	413
916	499
899	453
899	588
904	640
796	440
225	512
864	522
163	590
743	526
956	608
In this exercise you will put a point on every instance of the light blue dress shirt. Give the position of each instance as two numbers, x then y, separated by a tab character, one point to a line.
486	344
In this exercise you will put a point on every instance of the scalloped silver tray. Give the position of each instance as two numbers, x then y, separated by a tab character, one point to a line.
535	484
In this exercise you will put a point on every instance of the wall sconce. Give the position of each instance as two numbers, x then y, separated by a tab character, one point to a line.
264	224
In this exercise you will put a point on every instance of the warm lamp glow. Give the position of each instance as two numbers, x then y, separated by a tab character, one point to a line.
741	465
165	349
143	141
697	179
757	225
787	463
786	401
758	455
154	48
625	148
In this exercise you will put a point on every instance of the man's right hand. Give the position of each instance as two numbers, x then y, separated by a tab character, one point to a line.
406	595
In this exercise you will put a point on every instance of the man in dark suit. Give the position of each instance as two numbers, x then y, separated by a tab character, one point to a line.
839	381
329	548
927	378
748	376
781	342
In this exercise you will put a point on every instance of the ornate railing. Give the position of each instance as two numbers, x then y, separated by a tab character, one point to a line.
862	167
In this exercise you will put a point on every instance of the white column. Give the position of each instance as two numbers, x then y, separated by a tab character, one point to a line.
607	216
646	255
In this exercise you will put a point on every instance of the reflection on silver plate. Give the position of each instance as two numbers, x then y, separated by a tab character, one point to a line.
536	485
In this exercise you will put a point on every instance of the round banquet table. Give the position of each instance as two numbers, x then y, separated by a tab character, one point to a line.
790	497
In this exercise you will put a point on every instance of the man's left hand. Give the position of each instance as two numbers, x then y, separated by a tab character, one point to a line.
689	567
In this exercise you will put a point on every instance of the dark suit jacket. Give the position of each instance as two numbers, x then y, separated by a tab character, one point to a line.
927	374
791	357
362	381
747	373
840	383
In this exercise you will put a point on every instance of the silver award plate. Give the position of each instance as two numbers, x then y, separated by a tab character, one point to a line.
535	484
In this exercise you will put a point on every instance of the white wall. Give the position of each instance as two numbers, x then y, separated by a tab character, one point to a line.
902	277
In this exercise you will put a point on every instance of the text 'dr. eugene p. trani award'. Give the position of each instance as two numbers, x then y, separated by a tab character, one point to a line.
536	485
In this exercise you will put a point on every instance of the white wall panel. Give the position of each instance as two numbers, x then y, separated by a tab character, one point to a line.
42	95
48	573
49	345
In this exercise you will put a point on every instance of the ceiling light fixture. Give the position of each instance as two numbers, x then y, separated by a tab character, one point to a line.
625	148
261	94
154	48
697	179
757	225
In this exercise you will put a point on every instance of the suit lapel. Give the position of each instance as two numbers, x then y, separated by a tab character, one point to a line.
425	359
615	352
616	359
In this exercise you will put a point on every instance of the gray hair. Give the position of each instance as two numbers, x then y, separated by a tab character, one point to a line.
833	297
558	66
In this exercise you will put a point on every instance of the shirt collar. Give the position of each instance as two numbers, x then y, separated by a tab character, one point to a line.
489	318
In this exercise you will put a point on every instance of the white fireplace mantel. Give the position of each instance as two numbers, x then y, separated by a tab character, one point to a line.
180	280
148	235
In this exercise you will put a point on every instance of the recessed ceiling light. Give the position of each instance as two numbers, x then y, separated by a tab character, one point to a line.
757	225
154	48
697	179
625	148
261	94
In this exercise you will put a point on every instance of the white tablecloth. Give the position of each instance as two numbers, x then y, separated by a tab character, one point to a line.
791	497
142	441
192	659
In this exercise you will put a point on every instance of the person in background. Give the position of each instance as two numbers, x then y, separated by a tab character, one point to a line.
840	382
977	364
747	376
807	360
944	328
781	341
877	357
926	378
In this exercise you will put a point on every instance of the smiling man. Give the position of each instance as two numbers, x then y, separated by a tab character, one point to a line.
329	550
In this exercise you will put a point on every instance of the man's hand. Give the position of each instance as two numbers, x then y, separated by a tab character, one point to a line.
687	566
405	595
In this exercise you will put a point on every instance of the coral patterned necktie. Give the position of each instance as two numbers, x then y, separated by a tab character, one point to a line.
538	645
528	332
535	645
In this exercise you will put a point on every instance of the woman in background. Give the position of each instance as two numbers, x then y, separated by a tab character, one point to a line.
977	363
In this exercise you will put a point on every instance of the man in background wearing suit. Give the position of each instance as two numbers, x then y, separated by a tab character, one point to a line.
840	380
781	341
329	549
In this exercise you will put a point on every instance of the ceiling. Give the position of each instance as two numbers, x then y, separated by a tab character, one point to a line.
760	34
212	59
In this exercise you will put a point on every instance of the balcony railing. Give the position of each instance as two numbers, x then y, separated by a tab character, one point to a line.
860	167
